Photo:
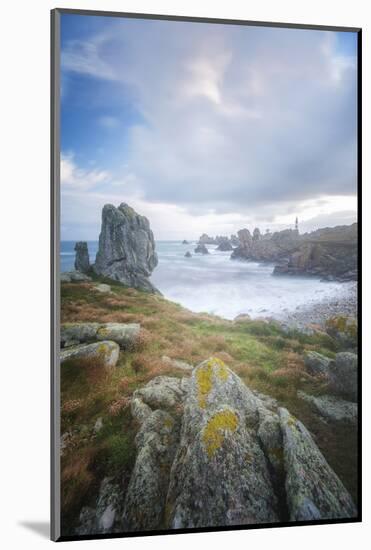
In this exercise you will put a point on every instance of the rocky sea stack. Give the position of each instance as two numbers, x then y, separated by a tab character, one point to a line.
82	262
126	248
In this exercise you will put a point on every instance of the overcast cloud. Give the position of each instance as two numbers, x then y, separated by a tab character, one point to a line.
233	126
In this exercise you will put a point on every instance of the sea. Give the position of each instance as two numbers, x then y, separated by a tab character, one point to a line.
215	284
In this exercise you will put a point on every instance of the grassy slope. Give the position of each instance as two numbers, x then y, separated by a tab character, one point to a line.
264	356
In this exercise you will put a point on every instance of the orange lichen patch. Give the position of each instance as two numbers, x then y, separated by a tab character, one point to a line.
214	433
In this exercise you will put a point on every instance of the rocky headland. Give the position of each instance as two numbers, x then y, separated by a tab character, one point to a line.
328	253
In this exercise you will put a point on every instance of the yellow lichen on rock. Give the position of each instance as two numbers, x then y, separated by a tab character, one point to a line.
102	349
205	378
214	432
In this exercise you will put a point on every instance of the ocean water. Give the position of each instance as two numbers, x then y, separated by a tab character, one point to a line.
216	284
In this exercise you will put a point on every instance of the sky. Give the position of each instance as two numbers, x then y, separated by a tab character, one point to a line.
206	127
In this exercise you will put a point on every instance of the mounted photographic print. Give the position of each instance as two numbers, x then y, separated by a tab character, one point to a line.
205	198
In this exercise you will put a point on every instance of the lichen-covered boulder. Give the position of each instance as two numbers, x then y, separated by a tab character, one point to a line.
100	354
103	288
316	364
82	262
145	500
162	392
331	408
313	489
344	375
176	363
126	248
74	277
220	475
80	333
126	335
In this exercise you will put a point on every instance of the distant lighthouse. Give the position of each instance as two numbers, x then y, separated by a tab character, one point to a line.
297	225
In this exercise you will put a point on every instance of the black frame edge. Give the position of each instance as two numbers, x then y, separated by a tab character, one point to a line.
55	523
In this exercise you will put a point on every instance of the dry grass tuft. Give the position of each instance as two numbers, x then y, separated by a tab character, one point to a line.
117	406
71	405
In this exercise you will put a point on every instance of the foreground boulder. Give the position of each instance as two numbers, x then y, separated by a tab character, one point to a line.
344	329
316	364
343	375
124	334
126	248
82	262
220	475
146	496
78	333
105	517
74	277
101	354
331	408
210	452
313	489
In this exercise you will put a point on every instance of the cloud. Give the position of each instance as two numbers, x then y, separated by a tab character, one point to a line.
75	178
244	121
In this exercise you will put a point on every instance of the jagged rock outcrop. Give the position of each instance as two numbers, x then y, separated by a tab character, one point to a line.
313	490
188	254
126	248
256	236
234	240
82	262
331	408
145	501
124	334
343	375
267	248
225	245
218	440
74	277
185	242
104	354
316	364
330	253
210	452
205	239
201	249
105	517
